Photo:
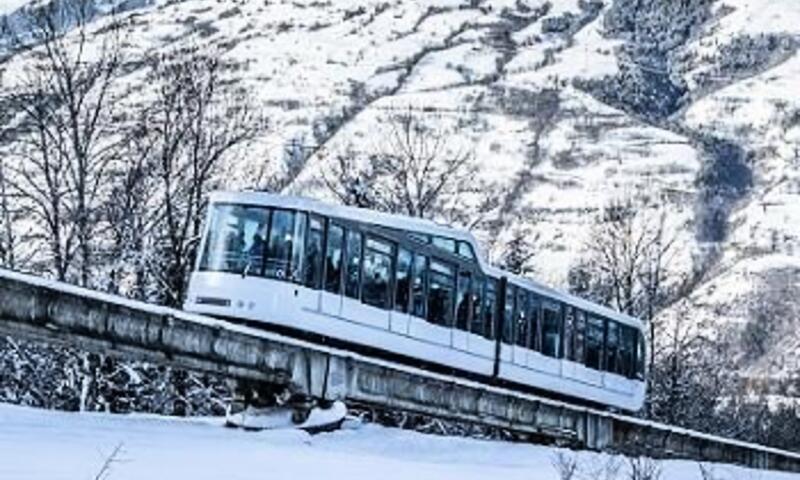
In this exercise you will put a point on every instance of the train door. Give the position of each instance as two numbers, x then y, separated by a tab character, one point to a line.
484	317
376	280
305	260
460	333
509	296
522	330
551	334
398	321
331	294
535	331
352	308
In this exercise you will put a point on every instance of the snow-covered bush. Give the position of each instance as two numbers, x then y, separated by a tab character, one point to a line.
57	377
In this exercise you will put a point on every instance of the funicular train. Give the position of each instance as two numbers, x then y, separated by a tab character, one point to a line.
411	291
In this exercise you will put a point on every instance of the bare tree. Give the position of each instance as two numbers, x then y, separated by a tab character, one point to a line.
415	170
39	176
520	250
608	469
131	219
66	120
644	468
195	121
350	180
418	168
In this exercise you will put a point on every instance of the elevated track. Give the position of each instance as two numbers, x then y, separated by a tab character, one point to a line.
39	309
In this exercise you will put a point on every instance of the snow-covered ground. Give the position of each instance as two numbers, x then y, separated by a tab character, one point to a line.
47	445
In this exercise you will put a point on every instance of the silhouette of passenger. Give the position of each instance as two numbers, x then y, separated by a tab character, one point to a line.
257	248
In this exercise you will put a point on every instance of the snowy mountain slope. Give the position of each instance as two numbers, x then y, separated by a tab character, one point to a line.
362	60
757	107
329	73
38	445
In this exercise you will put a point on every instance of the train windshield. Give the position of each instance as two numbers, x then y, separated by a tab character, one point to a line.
255	241
235	241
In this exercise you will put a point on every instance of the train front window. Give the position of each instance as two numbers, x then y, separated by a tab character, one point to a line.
235	241
279	246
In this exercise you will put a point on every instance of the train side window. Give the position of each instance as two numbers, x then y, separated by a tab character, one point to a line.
490	309
441	289
312	265
641	353
522	319
465	251
463	299
447	244
298	246
402	282
333	259
279	246
578	347
627	351
595	333
508	314
478	284
536	323
612	347
377	273
569	331
353	268
551	330
419	285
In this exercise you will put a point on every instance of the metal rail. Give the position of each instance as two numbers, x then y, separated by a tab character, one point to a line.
36	308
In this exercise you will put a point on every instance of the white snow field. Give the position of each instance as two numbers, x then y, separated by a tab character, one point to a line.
47	445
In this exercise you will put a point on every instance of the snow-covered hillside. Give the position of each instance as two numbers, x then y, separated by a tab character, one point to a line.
328	73
44	445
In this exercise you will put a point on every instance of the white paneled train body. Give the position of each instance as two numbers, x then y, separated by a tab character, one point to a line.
410	291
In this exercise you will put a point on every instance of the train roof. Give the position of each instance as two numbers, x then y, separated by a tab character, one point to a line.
403	222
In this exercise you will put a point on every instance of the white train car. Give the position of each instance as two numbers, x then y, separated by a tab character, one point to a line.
412	291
